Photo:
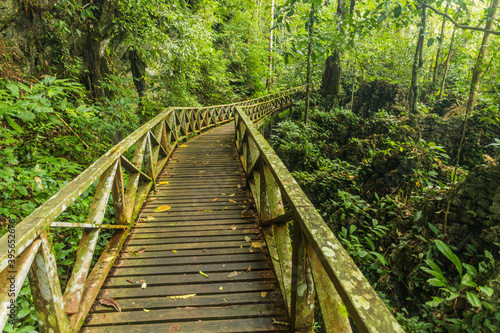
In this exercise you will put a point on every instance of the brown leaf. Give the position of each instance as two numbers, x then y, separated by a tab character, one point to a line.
249	268
233	227
215	199
128	280
233	274
111	302
263	294
258	245
141	250
231	200
174	328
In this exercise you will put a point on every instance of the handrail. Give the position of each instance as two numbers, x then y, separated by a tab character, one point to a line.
26	249
316	262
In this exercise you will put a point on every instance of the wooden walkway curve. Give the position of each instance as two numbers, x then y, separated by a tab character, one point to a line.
204	267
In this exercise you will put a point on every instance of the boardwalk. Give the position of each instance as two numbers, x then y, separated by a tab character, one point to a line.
201	245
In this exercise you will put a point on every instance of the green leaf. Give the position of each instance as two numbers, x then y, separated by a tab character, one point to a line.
14	125
435	301
430	41
433	228
467	281
470	269
14	89
437	282
436	269
487	290
473	299
445	249
417	216
380	258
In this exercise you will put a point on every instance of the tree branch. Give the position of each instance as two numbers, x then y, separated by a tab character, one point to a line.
455	23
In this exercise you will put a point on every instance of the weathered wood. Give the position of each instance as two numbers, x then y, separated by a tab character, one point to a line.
302	291
86	225
88	242
96	278
364	306
46	290
288	216
12	281
119	202
334	312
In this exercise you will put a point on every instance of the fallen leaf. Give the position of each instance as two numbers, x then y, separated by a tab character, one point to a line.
144	285
108	259
146	310
249	268
174	328
182	146
248	239
215	199
233	227
263	294
133	252
151	199
224	300
163	183
141	250
239	186
111	302
150	218
39	183
233	274
223	209
205	275
162	208
173	223
128	280
258	245
182	296
246	215
232	195
279	322
220	288
233	201
174	251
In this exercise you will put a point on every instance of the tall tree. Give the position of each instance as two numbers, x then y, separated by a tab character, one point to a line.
418	62
440	46
309	52
270	77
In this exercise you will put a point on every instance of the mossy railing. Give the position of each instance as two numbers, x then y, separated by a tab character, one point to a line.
26	249
311	262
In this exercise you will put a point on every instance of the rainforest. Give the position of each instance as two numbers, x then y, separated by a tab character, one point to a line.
393	135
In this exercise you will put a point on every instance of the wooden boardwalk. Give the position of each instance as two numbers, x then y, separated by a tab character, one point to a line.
201	245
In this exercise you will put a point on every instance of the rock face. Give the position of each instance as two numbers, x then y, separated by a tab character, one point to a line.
475	206
376	95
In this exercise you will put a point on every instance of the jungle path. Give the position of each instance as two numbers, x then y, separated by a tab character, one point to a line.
203	266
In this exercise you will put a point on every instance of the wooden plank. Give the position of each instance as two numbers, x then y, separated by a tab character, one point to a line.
186	253
186	269
86	225
192	260
199	300
170	234
175	279
186	314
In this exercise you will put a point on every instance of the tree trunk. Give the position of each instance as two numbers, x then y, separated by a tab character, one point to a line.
269	81
418	62
330	84
138	67
440	46
309	52
94	63
478	68
447	63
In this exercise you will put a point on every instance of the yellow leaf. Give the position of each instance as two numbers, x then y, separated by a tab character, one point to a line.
203	274
182	296
162	208
258	245
220	288
150	218
182	146
232	195
174	251
263	294
231	200
417	183
163	183
146	310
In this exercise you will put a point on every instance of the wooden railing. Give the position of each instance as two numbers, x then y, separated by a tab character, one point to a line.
26	250
311	262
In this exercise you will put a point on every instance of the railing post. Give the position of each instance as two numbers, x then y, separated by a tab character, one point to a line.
46	291
302	291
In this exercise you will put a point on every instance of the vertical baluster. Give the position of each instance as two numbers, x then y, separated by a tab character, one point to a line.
133	179
271	206
149	165
302	291
119	196
46	290
335	316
